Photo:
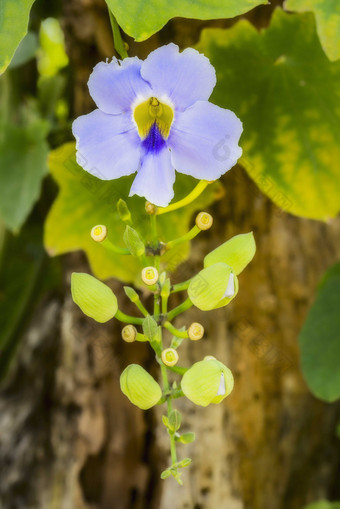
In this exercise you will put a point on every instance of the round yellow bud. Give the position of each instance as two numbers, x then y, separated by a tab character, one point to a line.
99	232
150	275
195	331
129	333
150	208
169	357
204	221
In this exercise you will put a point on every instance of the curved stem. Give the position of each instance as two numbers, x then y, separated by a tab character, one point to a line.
115	249
188	236
174	331
185	201
122	317
179	287
179	309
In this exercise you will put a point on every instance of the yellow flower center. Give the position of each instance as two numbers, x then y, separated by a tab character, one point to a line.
151	112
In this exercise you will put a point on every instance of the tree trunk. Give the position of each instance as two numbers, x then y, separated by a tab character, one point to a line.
71	440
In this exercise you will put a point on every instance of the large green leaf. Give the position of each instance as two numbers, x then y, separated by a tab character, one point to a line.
143	18
85	201
13	27
324	505
286	92
320	339
327	15
23	164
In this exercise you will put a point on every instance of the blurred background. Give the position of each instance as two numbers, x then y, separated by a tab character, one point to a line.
68	438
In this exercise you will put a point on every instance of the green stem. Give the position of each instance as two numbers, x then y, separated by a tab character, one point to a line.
174	331
179	309
117	37
188	236
122	317
180	287
141	308
115	249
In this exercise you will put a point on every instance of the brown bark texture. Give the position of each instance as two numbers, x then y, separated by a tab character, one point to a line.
71	440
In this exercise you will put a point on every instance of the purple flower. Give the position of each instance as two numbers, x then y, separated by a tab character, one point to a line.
154	117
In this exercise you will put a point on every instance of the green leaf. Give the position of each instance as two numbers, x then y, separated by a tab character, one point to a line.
85	201
14	16
286	92
323	505
186	438
23	164
327	16
133	242
320	339
150	328
175	419
143	18
26	50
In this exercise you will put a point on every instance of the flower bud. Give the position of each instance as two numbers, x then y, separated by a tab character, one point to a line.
237	252
99	233
195	331
213	287
204	221
129	333
123	211
169	357
207	381
140	387
150	208
150	275
94	298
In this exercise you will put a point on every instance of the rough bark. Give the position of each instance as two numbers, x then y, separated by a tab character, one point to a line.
71	440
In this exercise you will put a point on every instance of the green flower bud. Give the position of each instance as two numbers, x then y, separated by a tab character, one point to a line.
237	252
213	287
94	298
207	381
140	387
133	242
123	211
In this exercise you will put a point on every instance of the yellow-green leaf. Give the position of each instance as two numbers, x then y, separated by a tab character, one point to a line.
327	16
143	18
287	93
13	27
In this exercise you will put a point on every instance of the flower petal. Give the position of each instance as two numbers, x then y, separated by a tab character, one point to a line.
115	86
184	77
204	141
108	146
155	178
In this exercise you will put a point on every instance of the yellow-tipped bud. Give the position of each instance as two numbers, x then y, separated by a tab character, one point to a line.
204	221
150	275
150	208
169	357
195	331
129	333
99	233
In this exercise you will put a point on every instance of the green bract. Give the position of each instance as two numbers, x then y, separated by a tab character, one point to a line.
207	381
94	298
236	252
207	290
141	389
